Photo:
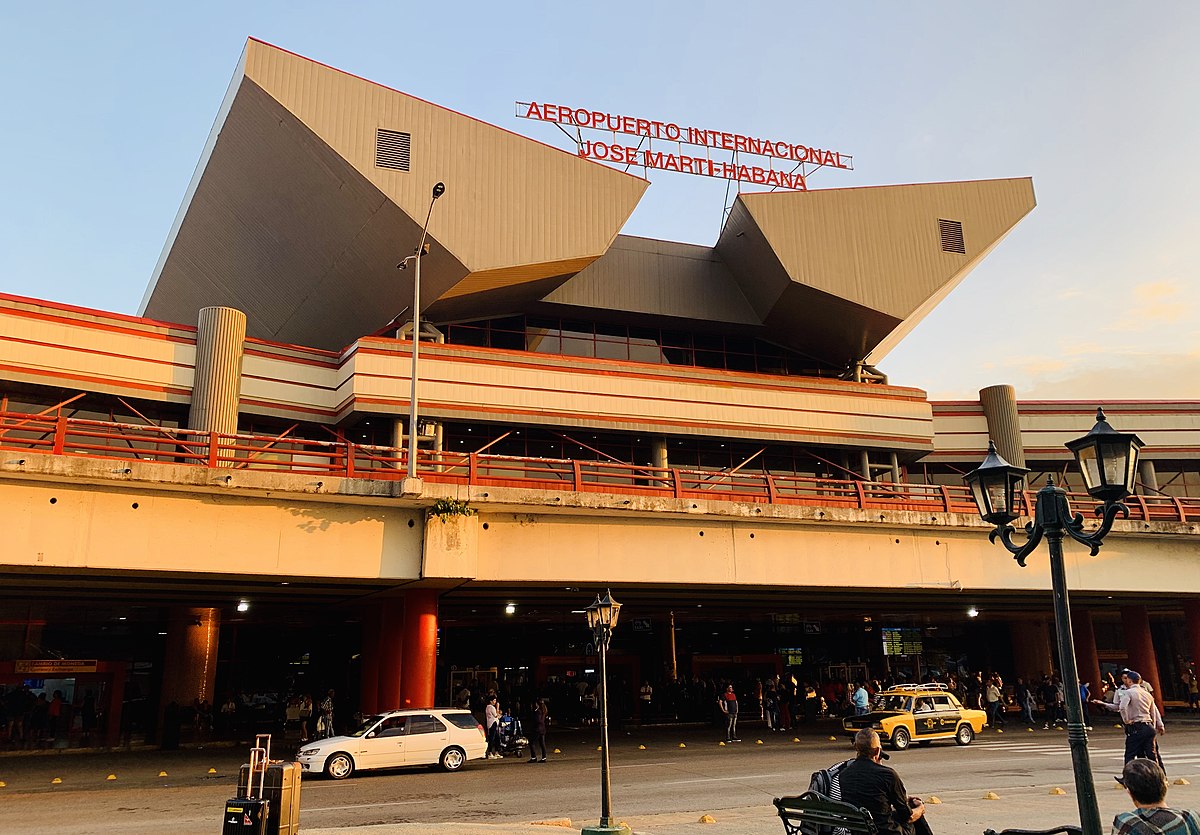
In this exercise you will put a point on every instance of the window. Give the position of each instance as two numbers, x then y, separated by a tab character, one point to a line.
424	724
392	726
462	720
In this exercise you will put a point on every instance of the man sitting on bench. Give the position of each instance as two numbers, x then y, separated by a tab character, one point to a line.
866	782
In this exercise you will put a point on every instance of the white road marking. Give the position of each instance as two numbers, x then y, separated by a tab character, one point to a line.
365	805
724	779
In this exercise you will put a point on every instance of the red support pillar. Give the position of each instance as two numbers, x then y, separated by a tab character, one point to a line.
391	654
1191	610
418	680
1135	621
1086	657
370	660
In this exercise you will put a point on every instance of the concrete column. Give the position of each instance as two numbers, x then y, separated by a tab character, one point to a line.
369	660
1003	422
391	655
658	453
1087	660
418	678
1139	645
190	668
218	382
1032	653
1148	476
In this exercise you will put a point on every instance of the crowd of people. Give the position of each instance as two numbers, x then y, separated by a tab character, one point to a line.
31	720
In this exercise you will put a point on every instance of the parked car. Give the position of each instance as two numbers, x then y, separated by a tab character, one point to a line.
439	736
922	713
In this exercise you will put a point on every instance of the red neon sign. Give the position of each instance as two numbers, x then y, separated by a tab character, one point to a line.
803	156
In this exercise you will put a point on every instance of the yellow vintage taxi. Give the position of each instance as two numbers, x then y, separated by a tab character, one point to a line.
912	713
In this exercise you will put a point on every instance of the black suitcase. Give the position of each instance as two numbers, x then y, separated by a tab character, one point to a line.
245	816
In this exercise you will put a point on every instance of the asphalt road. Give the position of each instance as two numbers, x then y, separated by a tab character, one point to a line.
662	778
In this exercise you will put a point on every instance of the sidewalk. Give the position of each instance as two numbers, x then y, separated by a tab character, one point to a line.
965	812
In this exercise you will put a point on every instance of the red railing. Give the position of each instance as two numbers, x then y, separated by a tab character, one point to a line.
79	437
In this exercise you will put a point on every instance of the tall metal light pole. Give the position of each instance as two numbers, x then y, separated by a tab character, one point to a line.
602	618
1108	461
411	485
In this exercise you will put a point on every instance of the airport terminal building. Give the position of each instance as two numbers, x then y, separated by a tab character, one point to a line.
210	497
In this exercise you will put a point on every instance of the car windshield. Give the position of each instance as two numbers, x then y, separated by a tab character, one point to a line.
893	701
367	724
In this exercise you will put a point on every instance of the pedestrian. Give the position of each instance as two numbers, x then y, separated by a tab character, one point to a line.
861	700
1193	689
869	784
995	702
1139	713
539	726
728	704
1147	787
491	718
325	726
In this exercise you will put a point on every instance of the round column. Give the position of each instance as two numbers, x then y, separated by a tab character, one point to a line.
190	666
1003	422
1148	476
1140	646
419	660
216	391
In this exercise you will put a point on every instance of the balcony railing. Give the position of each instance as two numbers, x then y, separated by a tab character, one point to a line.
77	437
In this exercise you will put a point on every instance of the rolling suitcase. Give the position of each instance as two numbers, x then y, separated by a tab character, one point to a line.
248	815
280	787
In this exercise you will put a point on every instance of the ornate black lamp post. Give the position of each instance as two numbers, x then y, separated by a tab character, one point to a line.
1108	460
602	618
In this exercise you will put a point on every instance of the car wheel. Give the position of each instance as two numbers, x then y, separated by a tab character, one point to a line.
965	734
900	739
452	759
339	766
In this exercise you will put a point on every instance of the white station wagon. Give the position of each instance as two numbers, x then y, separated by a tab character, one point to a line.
437	736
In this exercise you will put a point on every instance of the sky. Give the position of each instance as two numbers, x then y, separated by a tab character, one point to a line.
1093	296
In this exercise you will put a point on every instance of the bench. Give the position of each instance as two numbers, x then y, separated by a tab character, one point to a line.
1058	830
813	812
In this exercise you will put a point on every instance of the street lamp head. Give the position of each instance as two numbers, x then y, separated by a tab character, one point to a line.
1108	460
994	486
603	613
438	190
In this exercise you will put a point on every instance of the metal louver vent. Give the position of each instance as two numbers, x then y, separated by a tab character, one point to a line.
952	236
392	149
